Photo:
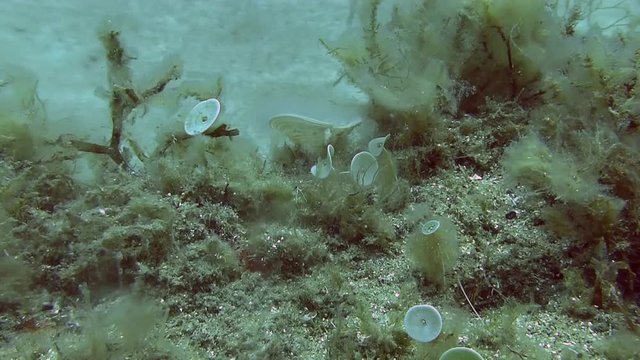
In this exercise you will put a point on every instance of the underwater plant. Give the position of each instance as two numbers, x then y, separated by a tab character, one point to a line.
324	166
424	59
433	249
202	116
460	353
124	99
310	134
375	167
20	110
423	323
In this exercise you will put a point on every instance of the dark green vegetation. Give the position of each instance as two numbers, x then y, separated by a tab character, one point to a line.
516	131
433	248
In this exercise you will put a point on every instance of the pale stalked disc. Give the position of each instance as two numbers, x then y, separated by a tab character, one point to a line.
376	146
307	132
202	116
323	168
364	168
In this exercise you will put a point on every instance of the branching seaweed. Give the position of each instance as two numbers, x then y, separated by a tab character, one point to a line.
124	99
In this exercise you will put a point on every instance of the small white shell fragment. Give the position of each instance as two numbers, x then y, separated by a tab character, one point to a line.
364	168
202	116
324	167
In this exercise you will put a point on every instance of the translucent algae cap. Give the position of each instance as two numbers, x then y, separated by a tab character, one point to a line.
376	146
430	227
311	134
202	116
460	353
323	168
364	168
423	323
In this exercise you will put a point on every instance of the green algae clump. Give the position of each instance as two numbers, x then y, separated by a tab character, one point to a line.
433	249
